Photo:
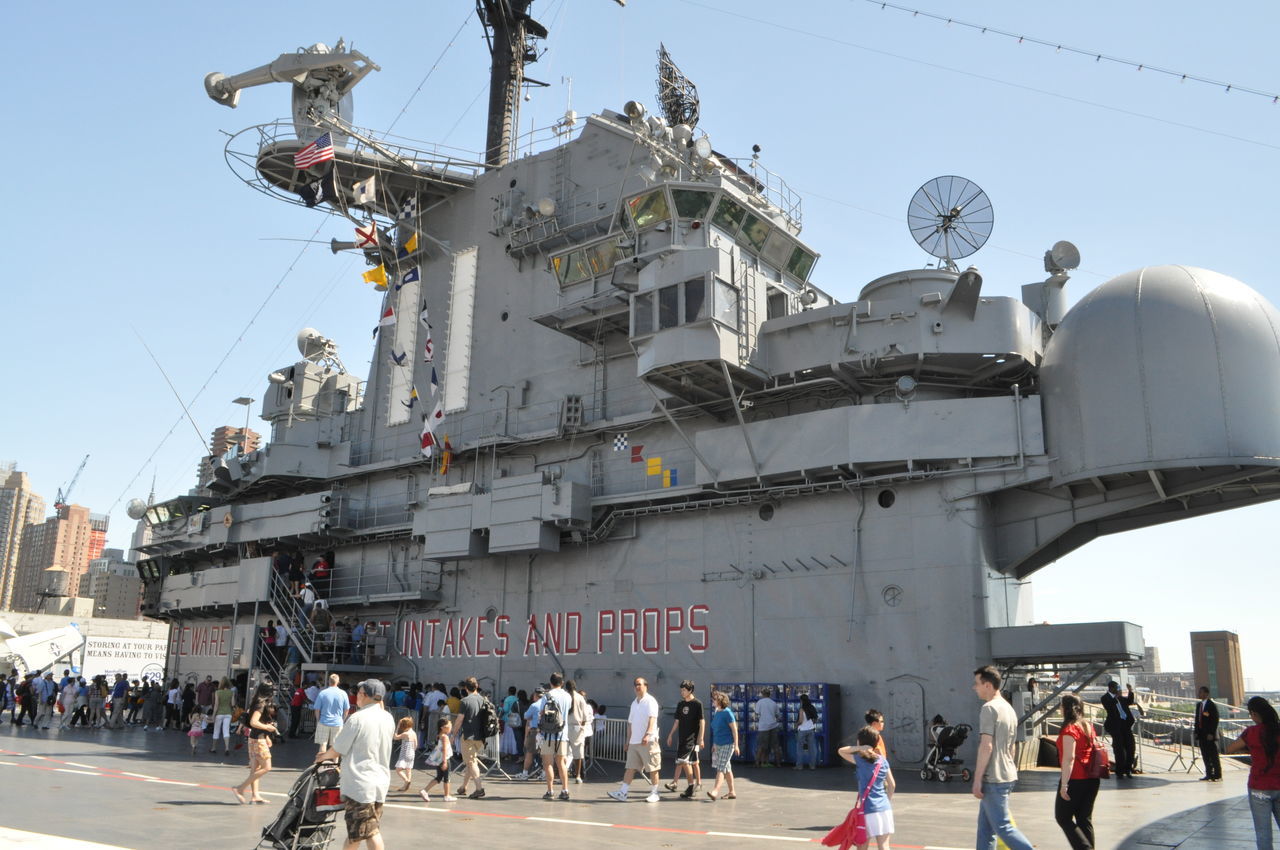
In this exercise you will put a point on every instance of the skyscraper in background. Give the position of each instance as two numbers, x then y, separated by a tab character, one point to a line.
69	540
19	508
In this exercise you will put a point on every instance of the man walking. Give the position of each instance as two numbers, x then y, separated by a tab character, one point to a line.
767	745
552	743
644	753
690	729
364	743
1119	725
472	737
331	707
46	691
1206	729
995	773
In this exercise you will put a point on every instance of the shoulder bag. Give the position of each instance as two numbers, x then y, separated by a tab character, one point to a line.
1099	764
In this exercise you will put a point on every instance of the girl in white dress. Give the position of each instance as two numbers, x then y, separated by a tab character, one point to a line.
408	749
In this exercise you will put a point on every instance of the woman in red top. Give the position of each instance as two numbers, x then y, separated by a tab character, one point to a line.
1073	807
1262	740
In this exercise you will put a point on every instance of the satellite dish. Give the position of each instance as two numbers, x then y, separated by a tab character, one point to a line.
950	217
136	509
1063	256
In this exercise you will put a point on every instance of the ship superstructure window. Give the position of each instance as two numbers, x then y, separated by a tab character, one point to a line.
728	216
801	263
668	307
649	209
587	262
691	203
726	303
776	305
754	231
682	304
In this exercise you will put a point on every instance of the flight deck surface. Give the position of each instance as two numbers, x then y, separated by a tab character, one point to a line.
145	790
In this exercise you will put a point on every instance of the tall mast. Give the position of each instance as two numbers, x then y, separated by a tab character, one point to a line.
510	33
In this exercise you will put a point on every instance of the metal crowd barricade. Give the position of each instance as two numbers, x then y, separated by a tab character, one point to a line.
609	743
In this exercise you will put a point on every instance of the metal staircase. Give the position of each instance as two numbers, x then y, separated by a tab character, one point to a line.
289	611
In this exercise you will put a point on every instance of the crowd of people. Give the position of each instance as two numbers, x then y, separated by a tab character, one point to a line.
549	734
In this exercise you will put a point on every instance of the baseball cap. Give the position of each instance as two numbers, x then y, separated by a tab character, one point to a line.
373	689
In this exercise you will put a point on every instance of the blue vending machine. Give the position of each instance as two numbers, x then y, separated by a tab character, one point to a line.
828	734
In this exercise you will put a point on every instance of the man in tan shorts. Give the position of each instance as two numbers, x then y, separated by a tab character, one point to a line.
473	741
644	752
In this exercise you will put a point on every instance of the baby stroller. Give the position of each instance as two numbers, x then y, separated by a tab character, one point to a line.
306	820
941	763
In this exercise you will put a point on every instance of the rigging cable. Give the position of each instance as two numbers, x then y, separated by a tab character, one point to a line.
431	70
984	77
1093	54
239	338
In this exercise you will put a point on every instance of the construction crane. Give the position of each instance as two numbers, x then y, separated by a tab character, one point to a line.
64	494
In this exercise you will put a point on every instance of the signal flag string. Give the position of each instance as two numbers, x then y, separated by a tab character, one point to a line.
1093	54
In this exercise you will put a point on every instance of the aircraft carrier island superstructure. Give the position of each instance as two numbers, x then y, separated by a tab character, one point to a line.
613	428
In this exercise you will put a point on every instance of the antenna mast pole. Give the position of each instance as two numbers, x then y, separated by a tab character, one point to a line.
509	31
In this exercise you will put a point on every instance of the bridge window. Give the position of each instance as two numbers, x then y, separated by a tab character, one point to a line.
649	209
728	216
754	231
695	299
668	307
727	303
800	264
691	203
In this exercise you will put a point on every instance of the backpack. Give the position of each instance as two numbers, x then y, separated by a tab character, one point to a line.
487	720
551	721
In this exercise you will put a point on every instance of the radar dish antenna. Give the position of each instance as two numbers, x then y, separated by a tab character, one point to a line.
677	95
950	217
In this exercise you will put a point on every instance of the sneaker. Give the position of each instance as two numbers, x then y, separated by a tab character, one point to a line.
449	798
653	796
522	775
620	796
426	798
670	786
564	795
688	793
477	794
577	780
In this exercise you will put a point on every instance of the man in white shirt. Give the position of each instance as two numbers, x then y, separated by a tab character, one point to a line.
767	724
644	752
365	747
282	641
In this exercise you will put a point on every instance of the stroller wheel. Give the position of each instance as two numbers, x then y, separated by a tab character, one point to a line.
943	776
966	775
926	774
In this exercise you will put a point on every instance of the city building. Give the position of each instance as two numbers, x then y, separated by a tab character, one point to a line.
70	539
19	508
1215	657
226	439
114	586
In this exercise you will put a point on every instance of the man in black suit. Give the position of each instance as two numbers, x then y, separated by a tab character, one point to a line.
1119	725
1207	735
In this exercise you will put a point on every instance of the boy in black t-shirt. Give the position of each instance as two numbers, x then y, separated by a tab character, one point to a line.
690	729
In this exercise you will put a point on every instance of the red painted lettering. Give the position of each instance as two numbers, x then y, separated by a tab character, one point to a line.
464	626
630	618
602	629
573	633
551	632
431	651
449	647
699	628
531	635
500	630
651	627
411	640
481	652
671	628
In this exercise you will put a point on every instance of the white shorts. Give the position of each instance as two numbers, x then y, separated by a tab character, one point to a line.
879	823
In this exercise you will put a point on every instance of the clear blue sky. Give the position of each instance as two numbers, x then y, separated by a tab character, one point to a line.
124	215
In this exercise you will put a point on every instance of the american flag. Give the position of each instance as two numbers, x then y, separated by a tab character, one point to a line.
321	150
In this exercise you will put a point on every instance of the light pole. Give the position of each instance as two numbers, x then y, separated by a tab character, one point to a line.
244	435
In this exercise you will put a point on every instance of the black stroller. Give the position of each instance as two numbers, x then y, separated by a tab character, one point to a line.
306	820
941	763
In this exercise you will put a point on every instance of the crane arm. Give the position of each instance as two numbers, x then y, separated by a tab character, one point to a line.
341	68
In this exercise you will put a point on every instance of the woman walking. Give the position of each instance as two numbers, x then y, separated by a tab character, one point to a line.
1073	807
222	699
806	732
724	744
1261	741
875	794
262	729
